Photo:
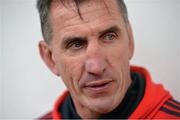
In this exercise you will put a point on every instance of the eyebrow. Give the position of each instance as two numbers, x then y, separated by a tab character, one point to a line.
110	29
69	39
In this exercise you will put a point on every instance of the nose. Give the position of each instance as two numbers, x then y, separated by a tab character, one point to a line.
95	63
95	66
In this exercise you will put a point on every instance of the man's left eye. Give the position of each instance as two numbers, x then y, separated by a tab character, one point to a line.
109	36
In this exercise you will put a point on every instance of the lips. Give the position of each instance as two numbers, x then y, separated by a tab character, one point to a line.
98	86
98	83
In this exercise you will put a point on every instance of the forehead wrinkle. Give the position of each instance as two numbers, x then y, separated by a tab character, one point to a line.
66	15
91	30
59	11
63	17
67	10
59	14
87	9
61	8
76	20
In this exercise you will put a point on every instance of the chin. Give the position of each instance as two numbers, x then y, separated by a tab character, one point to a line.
104	110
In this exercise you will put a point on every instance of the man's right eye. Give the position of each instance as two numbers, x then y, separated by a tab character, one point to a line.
76	44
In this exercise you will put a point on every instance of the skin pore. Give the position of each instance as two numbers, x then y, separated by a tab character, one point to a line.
90	54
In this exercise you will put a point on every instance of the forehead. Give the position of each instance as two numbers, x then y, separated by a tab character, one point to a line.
66	9
94	13
71	5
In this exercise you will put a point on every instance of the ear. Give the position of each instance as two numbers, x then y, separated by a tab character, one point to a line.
131	41
46	55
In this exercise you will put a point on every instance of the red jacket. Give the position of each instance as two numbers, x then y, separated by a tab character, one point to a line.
157	102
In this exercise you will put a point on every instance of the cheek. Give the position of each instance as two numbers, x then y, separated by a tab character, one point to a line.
119	63
70	72
119	57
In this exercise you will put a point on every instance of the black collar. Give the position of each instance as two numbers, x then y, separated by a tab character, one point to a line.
124	110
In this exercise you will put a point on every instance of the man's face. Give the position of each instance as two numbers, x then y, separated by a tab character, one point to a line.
91	54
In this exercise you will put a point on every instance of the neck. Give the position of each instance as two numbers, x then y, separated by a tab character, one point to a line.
85	113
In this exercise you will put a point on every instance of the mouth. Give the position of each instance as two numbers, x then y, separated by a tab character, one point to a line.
98	86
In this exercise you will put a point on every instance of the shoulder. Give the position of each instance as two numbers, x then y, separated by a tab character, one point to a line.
170	109
55	112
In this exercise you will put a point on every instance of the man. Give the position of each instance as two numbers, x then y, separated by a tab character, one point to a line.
89	43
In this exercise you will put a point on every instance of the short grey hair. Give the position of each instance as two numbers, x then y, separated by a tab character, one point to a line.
43	7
